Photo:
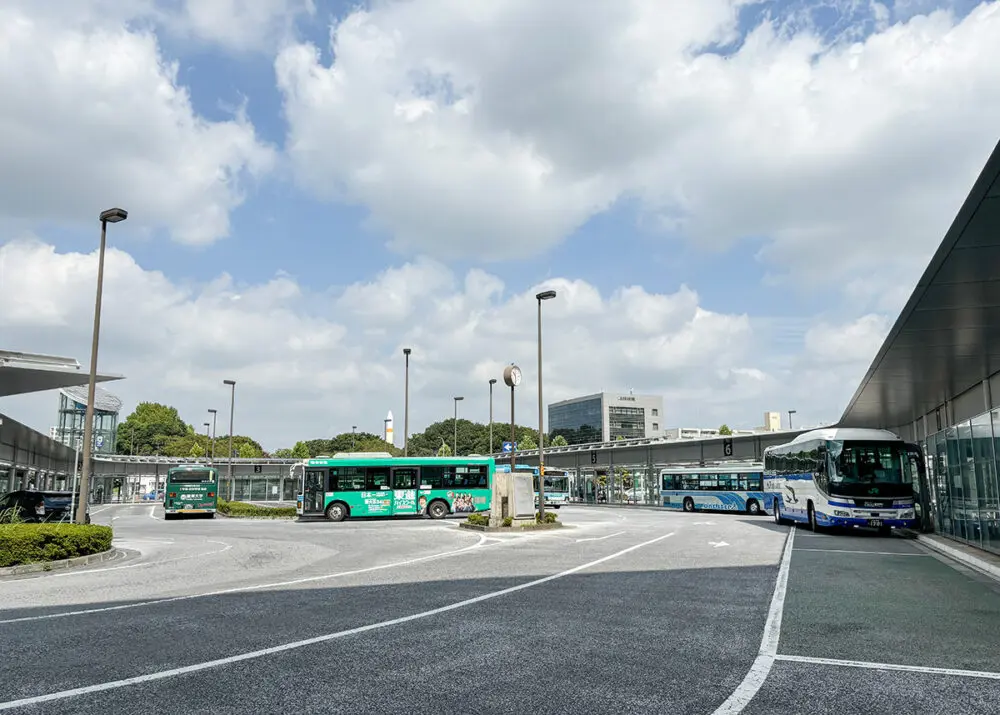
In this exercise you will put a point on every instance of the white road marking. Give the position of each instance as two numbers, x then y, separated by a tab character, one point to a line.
847	551
703	523
891	666
718	544
173	672
144	564
240	589
746	690
151	510
600	538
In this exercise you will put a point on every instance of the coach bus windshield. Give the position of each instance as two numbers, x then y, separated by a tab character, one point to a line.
863	464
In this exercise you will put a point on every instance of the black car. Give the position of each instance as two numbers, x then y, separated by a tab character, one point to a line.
37	507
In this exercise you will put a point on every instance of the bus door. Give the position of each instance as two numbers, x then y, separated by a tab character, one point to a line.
921	487
313	491
404	490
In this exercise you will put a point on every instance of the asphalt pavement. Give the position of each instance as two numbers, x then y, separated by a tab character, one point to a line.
629	611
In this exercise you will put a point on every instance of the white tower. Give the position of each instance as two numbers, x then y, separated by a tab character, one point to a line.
388	428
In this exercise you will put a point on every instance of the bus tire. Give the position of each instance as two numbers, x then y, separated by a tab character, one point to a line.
753	507
813	526
688	504
437	509
777	514
337	511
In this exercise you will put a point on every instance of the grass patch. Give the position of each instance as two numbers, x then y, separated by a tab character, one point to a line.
34	543
242	510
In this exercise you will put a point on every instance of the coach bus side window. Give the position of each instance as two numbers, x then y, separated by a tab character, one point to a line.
377	478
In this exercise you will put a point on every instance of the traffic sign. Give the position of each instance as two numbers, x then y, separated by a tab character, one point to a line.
99	441
510	447
727	446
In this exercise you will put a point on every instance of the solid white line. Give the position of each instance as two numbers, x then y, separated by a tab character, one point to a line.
144	564
151	510
601	538
100	687
846	551
891	666
256	587
755	678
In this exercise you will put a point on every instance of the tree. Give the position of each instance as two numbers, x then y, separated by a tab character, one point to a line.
527	442
150	426
300	451
248	451
196	451
724	430
283	453
444	450
559	441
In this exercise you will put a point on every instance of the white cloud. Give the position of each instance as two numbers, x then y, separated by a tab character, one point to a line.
310	365
93	117
469	129
240	24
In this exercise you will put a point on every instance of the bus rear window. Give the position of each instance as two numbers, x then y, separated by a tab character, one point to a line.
192	478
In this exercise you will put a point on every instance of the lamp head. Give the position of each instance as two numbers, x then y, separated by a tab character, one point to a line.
113	215
546	295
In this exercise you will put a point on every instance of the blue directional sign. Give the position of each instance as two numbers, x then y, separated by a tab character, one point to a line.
99	441
510	447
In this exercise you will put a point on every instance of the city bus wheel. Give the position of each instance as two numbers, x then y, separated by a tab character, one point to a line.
753	507
437	509
336	511
777	513
688	504
813	526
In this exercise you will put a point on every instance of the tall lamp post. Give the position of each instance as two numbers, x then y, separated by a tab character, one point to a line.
544	295
456	424
790	413
207	436
354	429
106	217
406	404
232	407
214	413
493	381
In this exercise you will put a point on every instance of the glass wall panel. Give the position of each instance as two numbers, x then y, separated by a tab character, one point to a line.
955	494
970	507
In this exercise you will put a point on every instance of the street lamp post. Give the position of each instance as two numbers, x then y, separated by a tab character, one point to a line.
456	424
544	295
106	217
215	414
354	429
790	413
207	436
385	430
406	404
232	406
493	381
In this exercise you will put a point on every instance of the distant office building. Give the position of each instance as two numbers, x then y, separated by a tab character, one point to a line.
606	416
772	422
72	413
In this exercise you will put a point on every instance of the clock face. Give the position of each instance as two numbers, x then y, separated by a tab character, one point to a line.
515	376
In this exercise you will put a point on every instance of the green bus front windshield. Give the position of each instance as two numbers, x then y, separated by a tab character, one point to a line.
856	468
199	476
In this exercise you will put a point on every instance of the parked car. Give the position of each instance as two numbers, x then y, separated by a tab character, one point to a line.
37	507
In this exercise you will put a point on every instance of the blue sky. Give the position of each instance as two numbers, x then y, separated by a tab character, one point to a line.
771	184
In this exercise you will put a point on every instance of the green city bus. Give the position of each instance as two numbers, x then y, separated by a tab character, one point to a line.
377	484
191	489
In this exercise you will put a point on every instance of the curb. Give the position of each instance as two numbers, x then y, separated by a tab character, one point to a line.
960	556
513	529
35	567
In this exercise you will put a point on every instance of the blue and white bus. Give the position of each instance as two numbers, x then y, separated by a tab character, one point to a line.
556	482
843	478
732	486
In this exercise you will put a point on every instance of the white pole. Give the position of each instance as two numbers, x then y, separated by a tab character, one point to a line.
76	472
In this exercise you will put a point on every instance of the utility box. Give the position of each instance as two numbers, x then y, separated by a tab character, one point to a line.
524	496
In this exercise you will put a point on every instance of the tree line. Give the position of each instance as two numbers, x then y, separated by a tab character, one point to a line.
158	429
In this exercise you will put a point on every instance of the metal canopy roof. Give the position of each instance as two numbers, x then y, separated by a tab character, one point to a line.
947	338
22	373
103	400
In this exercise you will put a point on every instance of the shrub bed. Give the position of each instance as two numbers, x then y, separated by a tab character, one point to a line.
239	509
34	543
479	519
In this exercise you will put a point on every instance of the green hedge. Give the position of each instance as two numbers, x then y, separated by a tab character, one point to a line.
240	509
32	543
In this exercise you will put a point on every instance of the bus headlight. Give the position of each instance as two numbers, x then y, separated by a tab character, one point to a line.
908	514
